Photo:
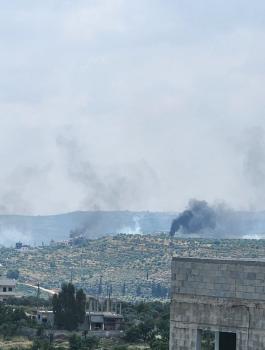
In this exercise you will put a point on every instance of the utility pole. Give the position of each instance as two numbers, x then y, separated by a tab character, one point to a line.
124	289
81	266
38	295
100	286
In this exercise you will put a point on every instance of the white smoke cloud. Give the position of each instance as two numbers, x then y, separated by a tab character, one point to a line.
9	236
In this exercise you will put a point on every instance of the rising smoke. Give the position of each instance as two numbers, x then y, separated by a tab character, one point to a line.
199	217
124	186
106	188
203	220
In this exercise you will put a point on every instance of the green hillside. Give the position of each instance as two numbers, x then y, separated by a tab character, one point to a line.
130	265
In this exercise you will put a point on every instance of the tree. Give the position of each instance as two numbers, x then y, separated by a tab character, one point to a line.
90	343
77	343
159	291
147	322
69	307
80	305
11	320
145	329
158	344
132	334
12	274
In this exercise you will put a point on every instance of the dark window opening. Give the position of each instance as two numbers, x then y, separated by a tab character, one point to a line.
4	289
227	341
97	326
10	289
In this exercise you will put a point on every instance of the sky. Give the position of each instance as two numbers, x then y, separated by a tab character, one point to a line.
131	105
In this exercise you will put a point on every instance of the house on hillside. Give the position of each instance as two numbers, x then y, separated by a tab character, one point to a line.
7	288
45	317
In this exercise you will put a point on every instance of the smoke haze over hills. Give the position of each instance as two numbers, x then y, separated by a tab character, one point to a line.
123	105
221	223
94	224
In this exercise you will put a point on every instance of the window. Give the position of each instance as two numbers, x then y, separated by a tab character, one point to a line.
4	289
207	339
10	289
227	341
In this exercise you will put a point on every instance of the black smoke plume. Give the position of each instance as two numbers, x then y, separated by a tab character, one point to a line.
198	218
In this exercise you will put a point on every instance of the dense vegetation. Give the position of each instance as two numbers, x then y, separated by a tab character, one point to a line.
11	320
69	307
149	323
144	323
131	266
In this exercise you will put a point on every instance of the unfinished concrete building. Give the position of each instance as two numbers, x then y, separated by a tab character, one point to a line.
217	304
103	314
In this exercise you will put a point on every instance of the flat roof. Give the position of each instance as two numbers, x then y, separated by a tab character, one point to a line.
7	282
104	314
245	261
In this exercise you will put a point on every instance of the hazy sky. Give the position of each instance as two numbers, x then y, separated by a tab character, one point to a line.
139	104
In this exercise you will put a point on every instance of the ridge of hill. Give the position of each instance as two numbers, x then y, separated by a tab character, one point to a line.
92	224
35	230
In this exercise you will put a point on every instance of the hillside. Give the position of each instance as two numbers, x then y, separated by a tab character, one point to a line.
140	263
93	224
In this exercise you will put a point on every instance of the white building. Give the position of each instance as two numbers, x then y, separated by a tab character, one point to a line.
45	317
7	288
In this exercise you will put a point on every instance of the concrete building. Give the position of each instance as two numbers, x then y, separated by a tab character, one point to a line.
44	317
7	288
96	304
22	247
102	321
218	302
103	314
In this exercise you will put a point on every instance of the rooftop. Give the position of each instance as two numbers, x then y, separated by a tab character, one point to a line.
7	282
253	262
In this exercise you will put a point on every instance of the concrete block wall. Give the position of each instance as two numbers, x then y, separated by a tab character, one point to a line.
217	295
244	279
